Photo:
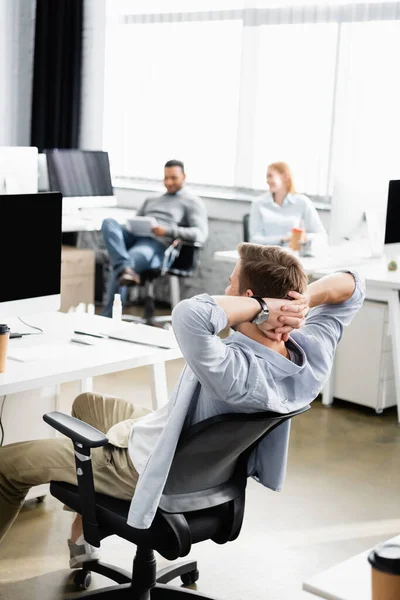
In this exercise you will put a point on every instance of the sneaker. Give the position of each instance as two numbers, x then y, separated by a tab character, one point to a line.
81	553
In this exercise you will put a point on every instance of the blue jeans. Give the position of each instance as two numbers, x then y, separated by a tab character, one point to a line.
127	250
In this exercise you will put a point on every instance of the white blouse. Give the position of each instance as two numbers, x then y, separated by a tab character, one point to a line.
270	222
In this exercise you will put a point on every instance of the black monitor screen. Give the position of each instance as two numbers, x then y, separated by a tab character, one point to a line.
392	231
30	245
79	172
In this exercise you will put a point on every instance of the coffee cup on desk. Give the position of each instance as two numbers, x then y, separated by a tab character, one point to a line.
297	237
4	337
385	563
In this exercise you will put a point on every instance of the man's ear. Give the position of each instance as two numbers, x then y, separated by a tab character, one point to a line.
249	293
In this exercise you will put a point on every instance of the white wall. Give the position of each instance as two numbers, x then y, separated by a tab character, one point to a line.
17	31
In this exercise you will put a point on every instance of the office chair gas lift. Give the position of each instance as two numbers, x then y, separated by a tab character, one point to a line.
203	499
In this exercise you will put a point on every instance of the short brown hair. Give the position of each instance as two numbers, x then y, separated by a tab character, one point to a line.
270	271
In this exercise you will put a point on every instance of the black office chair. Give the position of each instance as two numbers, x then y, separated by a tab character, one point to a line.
246	231
203	499
181	259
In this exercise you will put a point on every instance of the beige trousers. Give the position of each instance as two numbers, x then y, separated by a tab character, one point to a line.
26	464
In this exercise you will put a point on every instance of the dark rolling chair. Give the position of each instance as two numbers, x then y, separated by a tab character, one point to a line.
246	231
203	499
181	259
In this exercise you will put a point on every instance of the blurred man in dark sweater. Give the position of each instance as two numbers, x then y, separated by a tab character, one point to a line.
178	214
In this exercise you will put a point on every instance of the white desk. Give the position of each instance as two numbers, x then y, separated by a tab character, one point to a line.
32	388
90	219
349	580
381	285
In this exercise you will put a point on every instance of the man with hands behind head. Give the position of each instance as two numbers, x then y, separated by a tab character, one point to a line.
278	359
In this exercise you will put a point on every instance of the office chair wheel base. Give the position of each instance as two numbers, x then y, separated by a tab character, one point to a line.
190	578
82	579
40	499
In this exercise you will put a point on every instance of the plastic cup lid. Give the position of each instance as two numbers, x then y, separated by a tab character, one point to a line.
4	328
386	558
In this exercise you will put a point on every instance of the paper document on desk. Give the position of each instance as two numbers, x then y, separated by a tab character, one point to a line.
141	225
146	335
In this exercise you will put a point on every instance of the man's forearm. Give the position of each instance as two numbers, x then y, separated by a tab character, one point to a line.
331	289
243	309
238	309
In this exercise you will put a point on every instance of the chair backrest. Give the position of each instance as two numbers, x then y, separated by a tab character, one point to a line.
210	463
186	259
246	232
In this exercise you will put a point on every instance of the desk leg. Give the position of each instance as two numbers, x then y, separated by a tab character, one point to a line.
158	382
86	385
328	390
394	328
174	290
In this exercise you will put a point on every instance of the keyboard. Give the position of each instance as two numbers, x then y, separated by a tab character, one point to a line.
337	262
146	335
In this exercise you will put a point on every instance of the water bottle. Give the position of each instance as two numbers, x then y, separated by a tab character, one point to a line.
117	308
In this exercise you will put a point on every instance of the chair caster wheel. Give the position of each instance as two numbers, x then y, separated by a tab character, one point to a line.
82	579
190	578
40	499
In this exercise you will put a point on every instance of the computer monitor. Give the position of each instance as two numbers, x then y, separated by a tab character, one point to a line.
18	169
358	213
30	254
392	229
82	176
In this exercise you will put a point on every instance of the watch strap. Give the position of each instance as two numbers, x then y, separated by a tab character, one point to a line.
263	305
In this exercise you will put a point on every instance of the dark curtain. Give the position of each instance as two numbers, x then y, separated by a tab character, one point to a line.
57	74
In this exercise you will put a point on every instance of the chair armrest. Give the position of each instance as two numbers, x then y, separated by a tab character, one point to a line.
78	431
84	437
173	254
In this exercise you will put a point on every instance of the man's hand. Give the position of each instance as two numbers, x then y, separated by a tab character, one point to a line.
159	231
284	316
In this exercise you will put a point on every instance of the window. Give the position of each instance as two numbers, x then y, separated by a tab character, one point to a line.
171	91
232	85
294	102
367	123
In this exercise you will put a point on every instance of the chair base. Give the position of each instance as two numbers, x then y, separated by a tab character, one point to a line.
186	570
159	592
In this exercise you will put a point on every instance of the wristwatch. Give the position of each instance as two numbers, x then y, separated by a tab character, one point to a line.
263	315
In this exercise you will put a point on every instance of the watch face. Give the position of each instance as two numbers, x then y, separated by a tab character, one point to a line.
260	318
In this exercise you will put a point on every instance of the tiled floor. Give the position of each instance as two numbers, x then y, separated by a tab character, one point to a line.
341	497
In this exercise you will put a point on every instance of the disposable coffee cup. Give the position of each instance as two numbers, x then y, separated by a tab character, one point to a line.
4	336
297	238
385	563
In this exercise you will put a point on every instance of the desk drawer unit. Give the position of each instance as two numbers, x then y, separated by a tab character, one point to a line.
363	365
77	277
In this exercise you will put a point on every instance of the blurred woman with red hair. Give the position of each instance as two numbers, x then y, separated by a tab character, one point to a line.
275	213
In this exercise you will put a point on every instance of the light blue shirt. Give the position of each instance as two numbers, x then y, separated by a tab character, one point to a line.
236	374
270	222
